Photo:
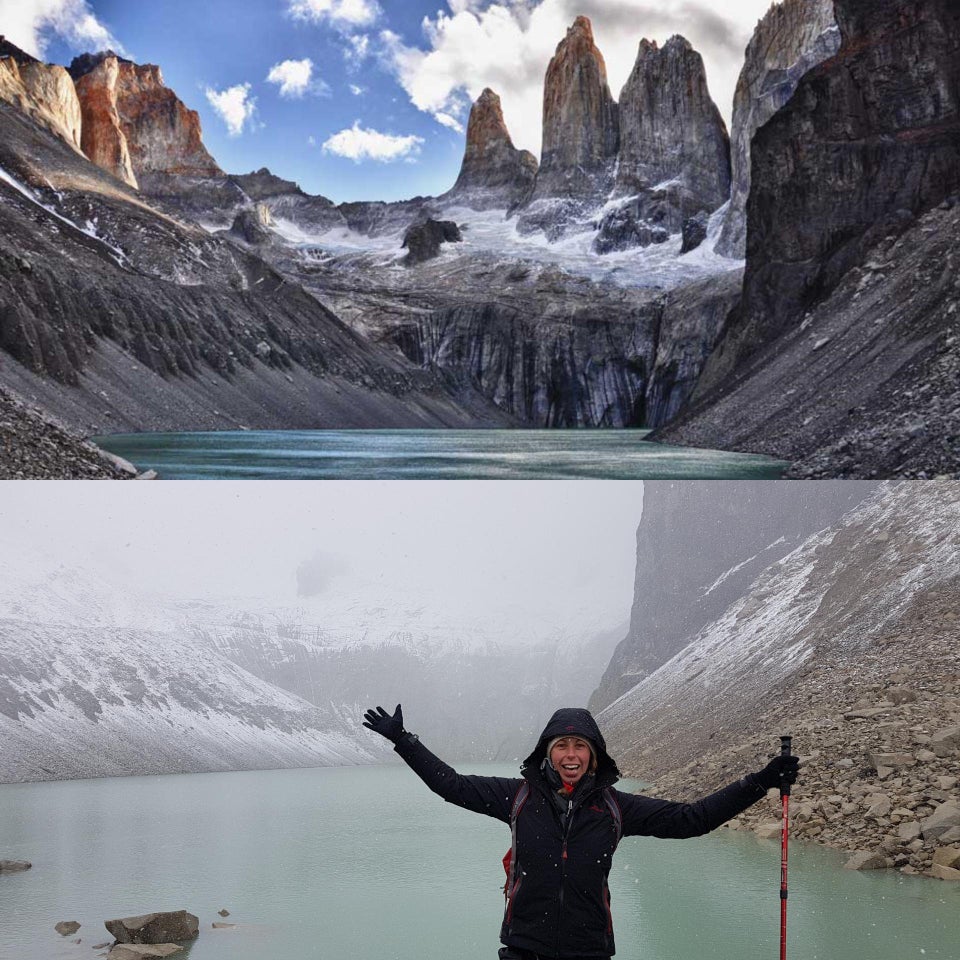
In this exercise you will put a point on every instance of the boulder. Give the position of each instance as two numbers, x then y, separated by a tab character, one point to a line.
494	173
946	743
13	866
217	925
66	927
155	928
891	761
909	830
252	225
948	857
224	912
142	951
423	240
866	860
768	831
944	873
694	232
945	817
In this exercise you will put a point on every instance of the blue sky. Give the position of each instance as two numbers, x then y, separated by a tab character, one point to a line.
367	99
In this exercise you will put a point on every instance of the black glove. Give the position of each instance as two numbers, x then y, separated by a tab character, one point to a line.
379	721
779	771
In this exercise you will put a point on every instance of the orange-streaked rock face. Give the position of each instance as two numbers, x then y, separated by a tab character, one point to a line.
492	165
103	139
43	91
162	133
133	124
580	128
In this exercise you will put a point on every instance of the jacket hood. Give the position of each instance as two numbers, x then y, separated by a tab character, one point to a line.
578	722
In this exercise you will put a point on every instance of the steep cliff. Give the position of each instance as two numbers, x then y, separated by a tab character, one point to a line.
792	37
700	545
580	128
125	101
671	130
102	135
494	173
845	351
44	91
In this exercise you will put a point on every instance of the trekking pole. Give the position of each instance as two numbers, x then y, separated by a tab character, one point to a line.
785	805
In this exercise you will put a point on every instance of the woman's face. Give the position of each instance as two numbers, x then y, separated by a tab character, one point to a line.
570	758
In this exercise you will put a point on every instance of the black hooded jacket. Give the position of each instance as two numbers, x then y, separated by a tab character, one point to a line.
560	905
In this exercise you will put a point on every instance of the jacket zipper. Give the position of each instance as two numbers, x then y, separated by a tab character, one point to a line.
567	820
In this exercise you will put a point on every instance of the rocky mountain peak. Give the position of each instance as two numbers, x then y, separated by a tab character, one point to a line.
580	128
671	130
494	172
134	125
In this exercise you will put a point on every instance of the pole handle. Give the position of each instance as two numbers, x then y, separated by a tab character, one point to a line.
785	742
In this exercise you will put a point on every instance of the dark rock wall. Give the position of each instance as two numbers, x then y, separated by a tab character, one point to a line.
671	129
700	545
870	140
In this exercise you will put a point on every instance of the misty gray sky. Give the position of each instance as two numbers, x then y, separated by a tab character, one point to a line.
464	547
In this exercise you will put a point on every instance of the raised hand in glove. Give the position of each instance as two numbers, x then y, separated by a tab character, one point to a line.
778	772
379	721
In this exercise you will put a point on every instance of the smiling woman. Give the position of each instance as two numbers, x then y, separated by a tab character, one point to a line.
566	821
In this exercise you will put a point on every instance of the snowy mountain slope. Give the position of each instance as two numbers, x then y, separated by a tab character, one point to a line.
96	680
833	597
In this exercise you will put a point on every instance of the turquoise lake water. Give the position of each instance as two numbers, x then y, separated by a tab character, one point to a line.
365	863
429	455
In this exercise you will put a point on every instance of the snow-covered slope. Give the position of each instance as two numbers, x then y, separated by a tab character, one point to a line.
834	596
95	681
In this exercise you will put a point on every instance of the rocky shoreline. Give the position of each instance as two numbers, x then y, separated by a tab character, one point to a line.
879	741
35	447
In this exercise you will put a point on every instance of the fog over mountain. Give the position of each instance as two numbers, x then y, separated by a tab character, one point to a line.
220	627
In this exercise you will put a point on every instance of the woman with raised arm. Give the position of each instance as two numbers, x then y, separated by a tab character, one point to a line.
566	820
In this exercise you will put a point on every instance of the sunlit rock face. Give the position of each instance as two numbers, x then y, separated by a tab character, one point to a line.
129	110
103	139
580	128
494	173
670	129
794	36
45	92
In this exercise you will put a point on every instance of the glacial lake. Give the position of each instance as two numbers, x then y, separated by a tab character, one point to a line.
364	863
430	455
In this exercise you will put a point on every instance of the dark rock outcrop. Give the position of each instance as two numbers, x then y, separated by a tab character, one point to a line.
670	128
176	925
14	866
792	37
494	173
66	927
693	320
580	128
423	240
870	140
252	225
697	553
694	232
638	222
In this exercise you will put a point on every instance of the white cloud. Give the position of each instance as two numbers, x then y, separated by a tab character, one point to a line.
234	105
452	122
295	79
356	90
356	50
341	13
507	45
30	23
356	143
